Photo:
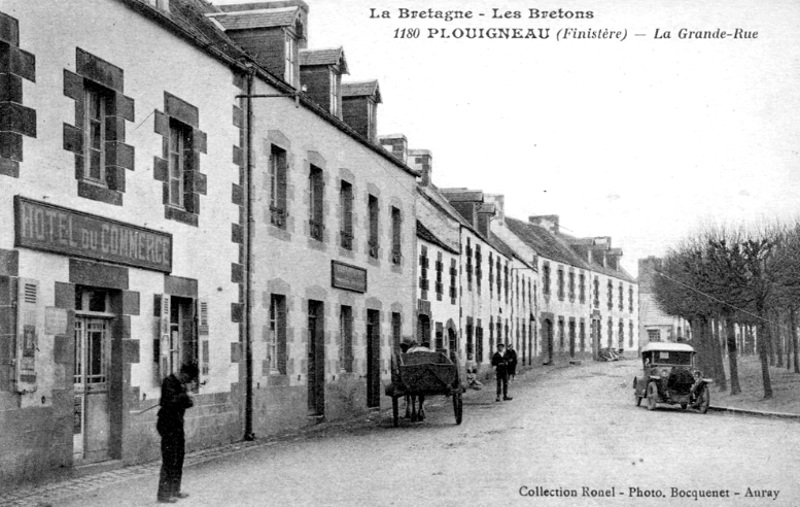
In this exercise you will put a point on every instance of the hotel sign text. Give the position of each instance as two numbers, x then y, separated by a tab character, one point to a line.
43	226
347	277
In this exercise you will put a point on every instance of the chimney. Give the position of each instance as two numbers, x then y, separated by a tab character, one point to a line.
549	222
422	161
613	255
647	273
485	213
272	32
499	202
321	74
360	107
397	145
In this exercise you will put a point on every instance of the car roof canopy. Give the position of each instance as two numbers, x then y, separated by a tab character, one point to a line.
668	347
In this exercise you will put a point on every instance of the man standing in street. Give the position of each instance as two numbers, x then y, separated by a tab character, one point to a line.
500	363
174	402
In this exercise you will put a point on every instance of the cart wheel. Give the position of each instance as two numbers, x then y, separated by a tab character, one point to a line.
395	411
458	406
703	400
652	396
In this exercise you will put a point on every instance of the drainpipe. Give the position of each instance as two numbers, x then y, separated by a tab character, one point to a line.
248	258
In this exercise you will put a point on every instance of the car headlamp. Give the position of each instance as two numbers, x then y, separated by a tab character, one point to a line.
664	372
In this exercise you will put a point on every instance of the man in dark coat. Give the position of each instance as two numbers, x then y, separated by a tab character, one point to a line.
174	402
500	363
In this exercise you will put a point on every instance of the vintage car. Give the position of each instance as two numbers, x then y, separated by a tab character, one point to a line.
670	377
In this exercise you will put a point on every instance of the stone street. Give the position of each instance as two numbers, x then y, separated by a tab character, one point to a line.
568	430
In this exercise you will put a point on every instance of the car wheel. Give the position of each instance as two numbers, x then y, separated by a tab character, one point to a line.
703	400
652	395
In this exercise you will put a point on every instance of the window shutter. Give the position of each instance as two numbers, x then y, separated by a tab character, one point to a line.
27	334
280	179
162	359
202	331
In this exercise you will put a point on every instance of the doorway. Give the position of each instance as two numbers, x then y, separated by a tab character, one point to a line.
373	359
316	359
91	383
548	337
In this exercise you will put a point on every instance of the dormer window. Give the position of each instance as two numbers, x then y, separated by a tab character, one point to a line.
334	93
291	59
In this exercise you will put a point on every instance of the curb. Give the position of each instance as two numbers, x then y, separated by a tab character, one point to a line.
756	413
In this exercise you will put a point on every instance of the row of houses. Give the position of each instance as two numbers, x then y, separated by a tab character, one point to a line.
191	183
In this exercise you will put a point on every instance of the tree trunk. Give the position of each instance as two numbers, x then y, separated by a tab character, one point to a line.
793	324
770	341
763	340
716	351
778	341
732	359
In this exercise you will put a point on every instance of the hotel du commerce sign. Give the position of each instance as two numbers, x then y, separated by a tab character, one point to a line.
43	226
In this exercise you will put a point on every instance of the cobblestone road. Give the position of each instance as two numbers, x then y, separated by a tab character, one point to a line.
567	430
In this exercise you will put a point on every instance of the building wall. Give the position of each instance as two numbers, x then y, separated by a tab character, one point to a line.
290	263
38	426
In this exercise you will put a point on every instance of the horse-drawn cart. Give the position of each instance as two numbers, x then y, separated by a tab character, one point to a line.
420	374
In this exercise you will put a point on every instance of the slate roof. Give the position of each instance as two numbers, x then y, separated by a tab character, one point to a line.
328	56
247	20
557	248
361	89
425	234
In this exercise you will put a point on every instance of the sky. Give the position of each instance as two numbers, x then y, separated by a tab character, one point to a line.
643	139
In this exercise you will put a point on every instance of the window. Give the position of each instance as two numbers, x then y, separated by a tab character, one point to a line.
453	277
423	272
610	293
180	153
317	190
610	332
335	80
560	281
276	343
346	204
621	335
346	338
571	287
596	292
582	288
478	269
373	211
397	328
654	335
439	341
290	45
396	232
546	279
94	128
621	297
439	274
630	299
561	333
277	196
582	335
491	276
505	280
469	264
470	343
499	278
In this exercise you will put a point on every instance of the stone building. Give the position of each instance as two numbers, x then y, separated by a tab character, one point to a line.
654	324
117	232
156	215
586	300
